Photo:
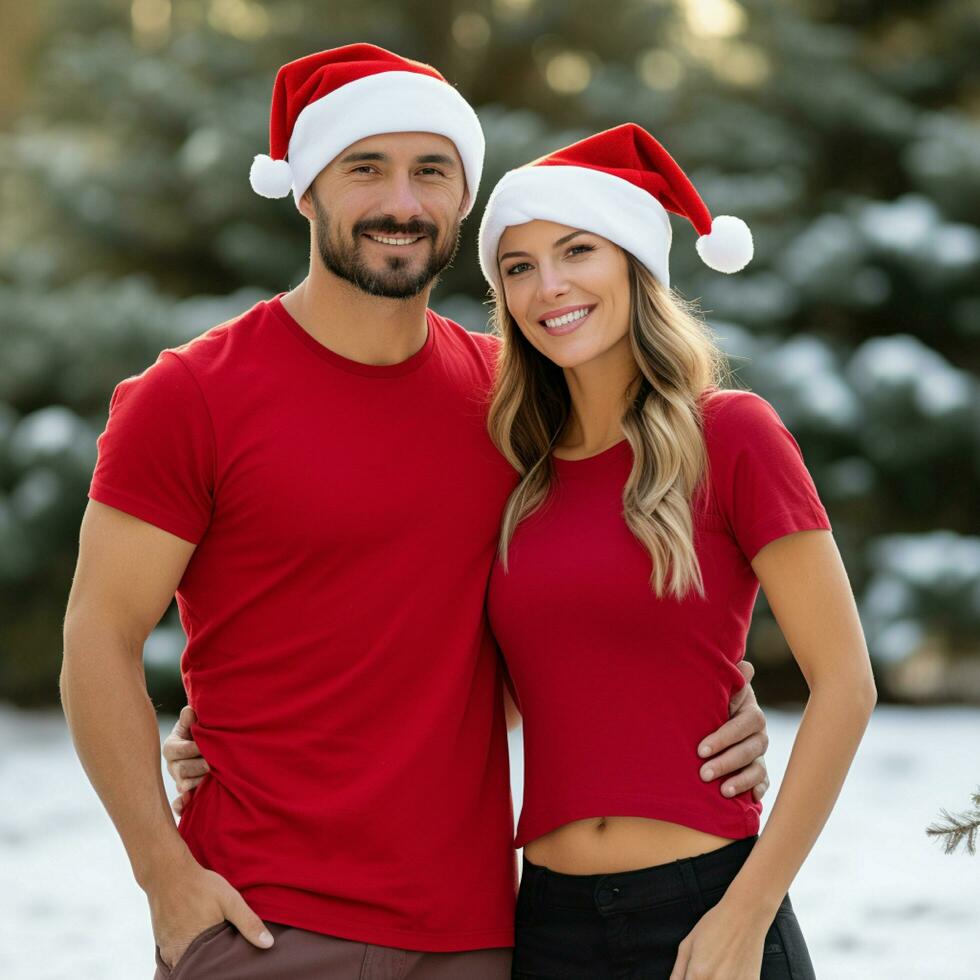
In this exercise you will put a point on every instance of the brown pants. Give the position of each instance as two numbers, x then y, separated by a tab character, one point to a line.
222	953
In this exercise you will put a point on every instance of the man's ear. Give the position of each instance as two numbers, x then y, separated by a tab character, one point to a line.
306	204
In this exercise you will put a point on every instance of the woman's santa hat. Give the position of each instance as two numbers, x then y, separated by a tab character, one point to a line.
619	184
323	103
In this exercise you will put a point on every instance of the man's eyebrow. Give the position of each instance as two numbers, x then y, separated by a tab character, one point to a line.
357	157
446	161
560	242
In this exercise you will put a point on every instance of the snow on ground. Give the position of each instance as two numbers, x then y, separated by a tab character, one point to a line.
877	899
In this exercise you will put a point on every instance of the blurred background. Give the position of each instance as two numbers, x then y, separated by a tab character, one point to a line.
847	135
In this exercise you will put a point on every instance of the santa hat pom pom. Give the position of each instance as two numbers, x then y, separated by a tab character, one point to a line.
270	178
728	246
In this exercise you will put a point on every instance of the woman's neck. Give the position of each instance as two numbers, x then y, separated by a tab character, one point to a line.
600	392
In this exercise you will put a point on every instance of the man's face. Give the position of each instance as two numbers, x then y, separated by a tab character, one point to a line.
387	210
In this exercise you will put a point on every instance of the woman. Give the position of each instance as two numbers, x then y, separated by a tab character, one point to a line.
630	557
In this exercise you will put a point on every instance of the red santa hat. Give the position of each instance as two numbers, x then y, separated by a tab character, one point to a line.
323	103
619	184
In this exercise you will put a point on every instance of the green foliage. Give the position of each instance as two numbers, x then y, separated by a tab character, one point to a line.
844	134
958	828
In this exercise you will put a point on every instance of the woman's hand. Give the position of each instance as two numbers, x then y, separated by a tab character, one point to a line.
726	944
185	763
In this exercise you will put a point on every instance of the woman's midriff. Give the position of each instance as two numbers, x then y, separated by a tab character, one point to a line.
605	845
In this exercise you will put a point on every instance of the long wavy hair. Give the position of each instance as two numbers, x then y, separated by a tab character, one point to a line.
677	360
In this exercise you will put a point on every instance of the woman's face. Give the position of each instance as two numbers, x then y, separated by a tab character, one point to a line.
567	289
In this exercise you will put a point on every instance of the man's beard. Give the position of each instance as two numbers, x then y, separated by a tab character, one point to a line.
396	281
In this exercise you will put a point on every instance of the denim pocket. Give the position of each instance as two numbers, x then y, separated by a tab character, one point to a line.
776	967
773	943
785	955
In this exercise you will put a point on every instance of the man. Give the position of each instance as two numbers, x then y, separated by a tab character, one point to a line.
315	482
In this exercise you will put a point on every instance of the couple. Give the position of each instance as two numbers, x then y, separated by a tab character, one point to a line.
356	501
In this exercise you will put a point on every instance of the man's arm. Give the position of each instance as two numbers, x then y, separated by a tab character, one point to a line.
126	576
739	745
511	712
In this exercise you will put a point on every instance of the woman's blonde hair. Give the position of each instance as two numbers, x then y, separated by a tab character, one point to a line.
677	360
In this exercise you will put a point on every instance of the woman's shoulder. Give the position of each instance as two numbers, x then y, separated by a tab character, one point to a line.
734	410
725	401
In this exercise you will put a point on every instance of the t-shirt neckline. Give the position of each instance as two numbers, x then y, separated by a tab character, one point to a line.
345	363
615	450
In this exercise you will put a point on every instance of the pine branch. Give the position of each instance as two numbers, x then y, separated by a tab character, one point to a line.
962	827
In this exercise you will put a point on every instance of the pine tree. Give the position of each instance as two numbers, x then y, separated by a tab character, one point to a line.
959	829
844	133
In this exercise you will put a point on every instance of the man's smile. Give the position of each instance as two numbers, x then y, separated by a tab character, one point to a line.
397	240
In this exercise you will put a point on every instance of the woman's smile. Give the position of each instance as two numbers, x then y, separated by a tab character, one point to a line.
565	320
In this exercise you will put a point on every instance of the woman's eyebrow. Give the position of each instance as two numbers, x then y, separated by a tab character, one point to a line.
561	241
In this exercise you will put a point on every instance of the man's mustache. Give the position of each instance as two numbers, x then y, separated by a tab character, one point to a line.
391	228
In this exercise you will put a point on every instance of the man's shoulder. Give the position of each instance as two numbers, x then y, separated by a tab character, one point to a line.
488	345
483	346
210	341
222	347
182	373
489	342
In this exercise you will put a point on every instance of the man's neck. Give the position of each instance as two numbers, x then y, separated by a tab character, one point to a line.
363	328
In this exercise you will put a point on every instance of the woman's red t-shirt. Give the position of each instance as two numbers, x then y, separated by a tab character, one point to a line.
617	687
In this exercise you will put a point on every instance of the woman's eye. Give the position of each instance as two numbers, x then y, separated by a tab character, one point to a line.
515	269
587	248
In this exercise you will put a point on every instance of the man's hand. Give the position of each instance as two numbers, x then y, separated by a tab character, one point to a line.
188	899
186	765
745	739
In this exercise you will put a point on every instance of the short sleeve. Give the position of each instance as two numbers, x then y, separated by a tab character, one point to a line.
156	457
759	479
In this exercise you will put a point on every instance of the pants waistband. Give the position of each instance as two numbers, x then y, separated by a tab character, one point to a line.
643	887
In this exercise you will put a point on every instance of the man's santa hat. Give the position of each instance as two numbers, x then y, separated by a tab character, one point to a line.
619	184
323	103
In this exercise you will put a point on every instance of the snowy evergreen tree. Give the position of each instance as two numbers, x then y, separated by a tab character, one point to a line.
845	134
962	829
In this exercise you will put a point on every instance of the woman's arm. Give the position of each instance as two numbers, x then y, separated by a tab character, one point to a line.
807	588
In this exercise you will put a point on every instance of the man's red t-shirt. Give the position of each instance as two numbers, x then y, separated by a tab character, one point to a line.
338	655
618	687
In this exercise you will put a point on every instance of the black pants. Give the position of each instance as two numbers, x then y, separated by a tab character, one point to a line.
628	925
